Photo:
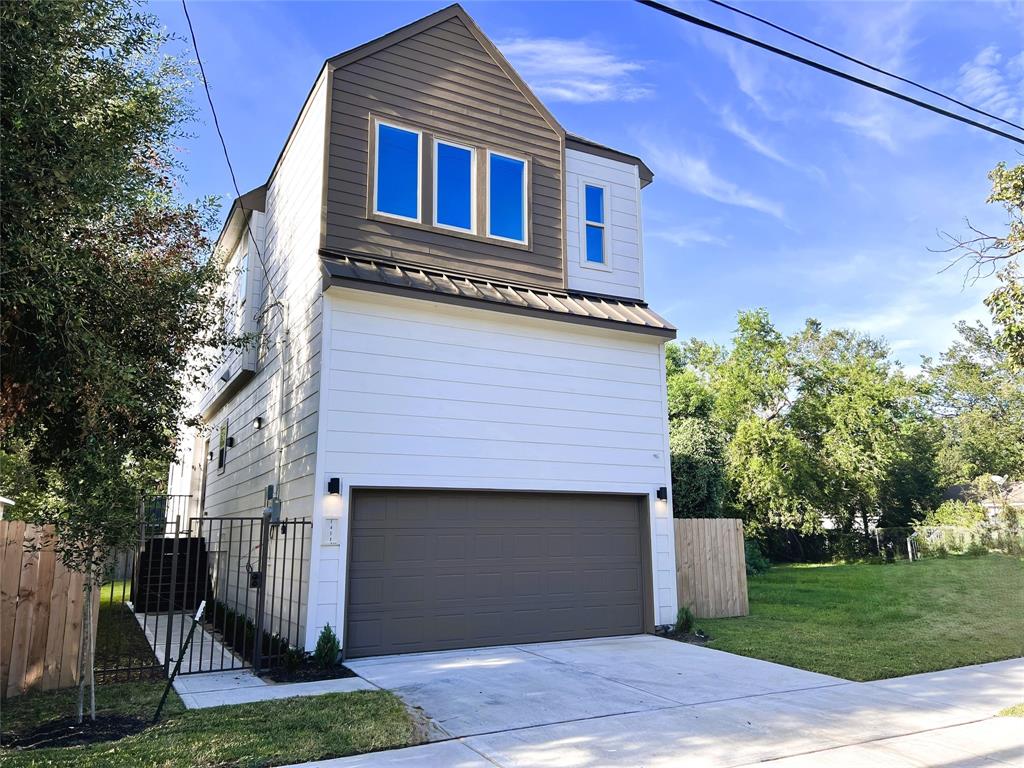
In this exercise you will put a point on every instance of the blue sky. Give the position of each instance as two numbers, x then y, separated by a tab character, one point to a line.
775	185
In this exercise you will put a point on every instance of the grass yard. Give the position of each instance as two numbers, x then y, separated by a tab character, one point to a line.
867	622
251	735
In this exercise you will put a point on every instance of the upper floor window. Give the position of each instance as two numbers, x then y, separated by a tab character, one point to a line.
506	197
397	172
594	238
454	186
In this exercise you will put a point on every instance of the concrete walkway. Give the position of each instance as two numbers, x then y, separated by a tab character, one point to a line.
199	689
646	701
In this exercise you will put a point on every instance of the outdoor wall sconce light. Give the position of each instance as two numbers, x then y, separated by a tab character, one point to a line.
229	443
334	486
663	493
257	423
211	456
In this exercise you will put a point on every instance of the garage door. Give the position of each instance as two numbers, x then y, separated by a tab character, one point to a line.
432	570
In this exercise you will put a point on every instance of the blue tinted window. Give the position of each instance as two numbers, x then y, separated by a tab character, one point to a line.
398	171
595	204
454	192
595	244
507	207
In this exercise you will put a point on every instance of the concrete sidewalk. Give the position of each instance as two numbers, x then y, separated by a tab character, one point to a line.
645	701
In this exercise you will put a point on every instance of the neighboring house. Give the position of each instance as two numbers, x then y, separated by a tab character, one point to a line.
1001	495
458	379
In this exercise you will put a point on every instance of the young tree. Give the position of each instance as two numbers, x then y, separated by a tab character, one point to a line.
107	291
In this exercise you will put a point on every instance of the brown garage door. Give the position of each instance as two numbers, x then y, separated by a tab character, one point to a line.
431	570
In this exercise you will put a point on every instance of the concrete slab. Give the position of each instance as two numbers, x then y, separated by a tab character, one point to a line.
647	702
683	673
985	744
983	688
205	652
445	754
484	690
216	681
244	694
725	733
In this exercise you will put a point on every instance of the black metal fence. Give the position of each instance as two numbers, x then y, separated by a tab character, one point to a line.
252	572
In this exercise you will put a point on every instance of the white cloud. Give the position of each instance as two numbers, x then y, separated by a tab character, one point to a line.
695	175
685	236
732	124
560	69
876	125
985	85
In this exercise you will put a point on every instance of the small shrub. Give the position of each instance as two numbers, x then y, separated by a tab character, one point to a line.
756	561
293	658
941	551
327	648
975	549
684	621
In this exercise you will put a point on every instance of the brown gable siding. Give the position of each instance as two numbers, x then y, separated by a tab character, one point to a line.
443	81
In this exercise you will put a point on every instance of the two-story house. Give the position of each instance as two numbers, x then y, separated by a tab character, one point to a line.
458	378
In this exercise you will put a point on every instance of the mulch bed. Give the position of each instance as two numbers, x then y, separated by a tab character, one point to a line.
694	638
307	673
67	733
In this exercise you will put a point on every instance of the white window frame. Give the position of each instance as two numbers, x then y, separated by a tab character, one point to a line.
472	186
526	198
606	265
376	170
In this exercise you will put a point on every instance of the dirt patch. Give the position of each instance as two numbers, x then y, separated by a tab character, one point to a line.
307	673
67	733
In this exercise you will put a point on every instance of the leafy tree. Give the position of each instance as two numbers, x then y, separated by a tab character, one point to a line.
978	398
695	443
989	254
817	426
106	289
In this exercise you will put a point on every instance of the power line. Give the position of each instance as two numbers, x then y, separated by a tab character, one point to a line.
224	146
824	68
855	60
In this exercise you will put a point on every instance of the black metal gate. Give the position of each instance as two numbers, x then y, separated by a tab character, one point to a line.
252	572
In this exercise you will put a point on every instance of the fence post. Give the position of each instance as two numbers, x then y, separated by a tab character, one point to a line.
261	593
171	596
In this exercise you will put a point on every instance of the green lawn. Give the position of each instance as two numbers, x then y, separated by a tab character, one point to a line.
251	735
866	622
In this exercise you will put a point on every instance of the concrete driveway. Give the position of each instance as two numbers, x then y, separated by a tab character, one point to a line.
646	701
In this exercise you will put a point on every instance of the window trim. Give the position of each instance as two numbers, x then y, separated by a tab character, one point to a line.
526	198
472	185
377	123
605	187
222	447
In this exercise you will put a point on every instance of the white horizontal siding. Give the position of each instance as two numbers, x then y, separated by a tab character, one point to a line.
624	277
426	395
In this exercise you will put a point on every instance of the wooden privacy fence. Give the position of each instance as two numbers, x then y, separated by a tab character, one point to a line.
711	569
40	612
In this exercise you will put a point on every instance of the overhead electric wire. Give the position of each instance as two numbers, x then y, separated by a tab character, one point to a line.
864	64
696	20
224	147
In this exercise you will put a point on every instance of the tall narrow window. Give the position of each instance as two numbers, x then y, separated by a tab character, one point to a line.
506	197
595	223
397	172
454	187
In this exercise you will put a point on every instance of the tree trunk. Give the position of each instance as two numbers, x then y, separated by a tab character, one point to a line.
82	654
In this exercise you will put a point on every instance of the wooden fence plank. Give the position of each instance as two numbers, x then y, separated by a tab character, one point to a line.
710	567
40	611
53	654
23	615
10	580
40	619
